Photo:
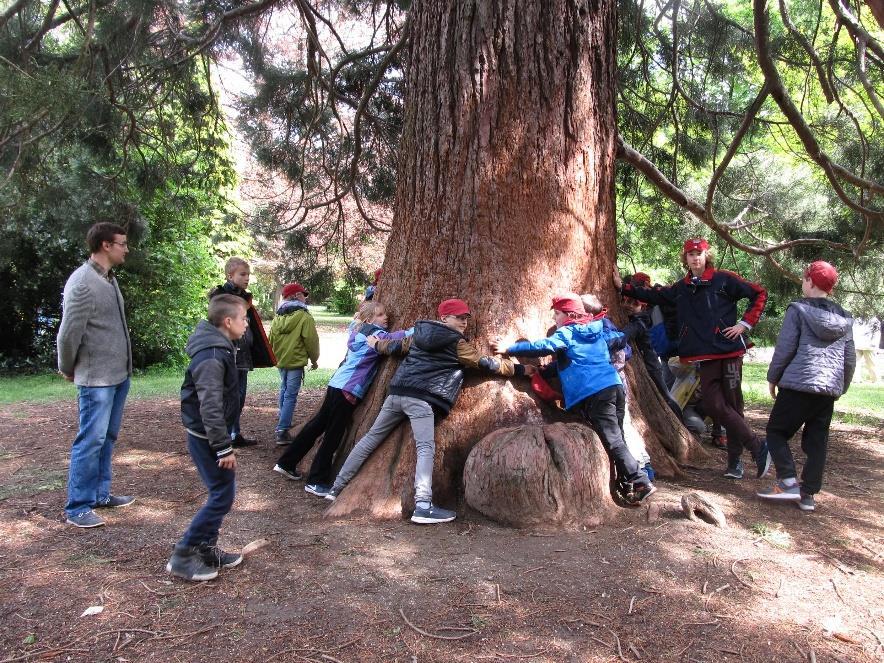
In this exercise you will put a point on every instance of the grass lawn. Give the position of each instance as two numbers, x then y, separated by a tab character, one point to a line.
323	316
152	383
862	404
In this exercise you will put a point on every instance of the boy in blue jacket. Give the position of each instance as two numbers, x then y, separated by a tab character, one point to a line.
346	389
210	399
590	383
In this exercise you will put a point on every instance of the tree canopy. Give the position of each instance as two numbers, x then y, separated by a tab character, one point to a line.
758	122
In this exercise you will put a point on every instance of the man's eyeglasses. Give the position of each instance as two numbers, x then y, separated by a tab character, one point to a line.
123	244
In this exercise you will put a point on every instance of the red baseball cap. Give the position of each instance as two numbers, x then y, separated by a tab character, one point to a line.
568	302
696	244
640	278
823	275
290	289
453	307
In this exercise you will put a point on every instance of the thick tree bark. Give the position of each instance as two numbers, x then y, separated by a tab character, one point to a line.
505	196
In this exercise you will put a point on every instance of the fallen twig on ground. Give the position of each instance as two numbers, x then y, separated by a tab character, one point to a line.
434	635
734	572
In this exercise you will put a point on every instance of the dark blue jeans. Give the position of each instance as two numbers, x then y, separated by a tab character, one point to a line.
89	478
222	489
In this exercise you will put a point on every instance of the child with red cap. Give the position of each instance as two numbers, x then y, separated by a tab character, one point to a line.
590	382
295	341
812	366
709	333
426	384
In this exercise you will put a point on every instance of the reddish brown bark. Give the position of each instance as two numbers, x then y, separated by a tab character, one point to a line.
505	196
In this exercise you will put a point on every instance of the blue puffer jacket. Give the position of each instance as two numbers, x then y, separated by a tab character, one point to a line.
582	358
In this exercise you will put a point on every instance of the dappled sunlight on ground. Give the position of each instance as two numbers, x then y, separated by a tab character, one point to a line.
775	584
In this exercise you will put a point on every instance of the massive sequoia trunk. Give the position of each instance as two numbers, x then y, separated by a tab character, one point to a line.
505	196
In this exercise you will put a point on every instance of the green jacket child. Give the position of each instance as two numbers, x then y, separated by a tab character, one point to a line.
294	340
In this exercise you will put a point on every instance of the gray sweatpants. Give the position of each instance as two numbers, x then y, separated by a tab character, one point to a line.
394	410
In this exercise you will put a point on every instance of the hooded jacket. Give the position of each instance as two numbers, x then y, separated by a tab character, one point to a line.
433	369
814	351
706	305
293	335
582	358
210	393
253	349
360	366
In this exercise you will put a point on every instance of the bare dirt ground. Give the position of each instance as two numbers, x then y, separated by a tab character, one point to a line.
776	585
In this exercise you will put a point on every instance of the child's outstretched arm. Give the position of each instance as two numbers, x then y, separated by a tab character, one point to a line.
469	356
657	295
391	346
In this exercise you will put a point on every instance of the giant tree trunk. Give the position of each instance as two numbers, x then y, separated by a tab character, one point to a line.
505	196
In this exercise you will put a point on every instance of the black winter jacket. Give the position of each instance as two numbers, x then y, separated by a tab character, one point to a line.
210	393
706	305
431	370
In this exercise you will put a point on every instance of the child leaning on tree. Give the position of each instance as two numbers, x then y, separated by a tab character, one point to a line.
209	404
590	383
426	385
812	366
345	390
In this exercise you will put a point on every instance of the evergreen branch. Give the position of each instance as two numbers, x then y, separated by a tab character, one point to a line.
694	207
778	91
13	9
809	49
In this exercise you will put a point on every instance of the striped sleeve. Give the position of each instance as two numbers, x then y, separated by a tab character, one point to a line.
739	288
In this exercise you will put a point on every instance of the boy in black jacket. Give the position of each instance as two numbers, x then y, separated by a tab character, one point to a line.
209	403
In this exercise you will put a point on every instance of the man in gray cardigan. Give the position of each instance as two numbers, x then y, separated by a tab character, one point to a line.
94	352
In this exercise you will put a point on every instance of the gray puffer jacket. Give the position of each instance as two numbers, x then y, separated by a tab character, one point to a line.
814	351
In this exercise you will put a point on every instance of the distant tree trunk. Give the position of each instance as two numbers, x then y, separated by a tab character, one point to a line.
505	196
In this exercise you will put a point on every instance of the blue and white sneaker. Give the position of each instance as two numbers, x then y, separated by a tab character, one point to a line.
115	502
806	503
432	515
333	493
734	470
318	489
85	520
762	460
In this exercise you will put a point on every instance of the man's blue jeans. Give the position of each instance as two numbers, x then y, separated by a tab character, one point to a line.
221	485
288	396
101	413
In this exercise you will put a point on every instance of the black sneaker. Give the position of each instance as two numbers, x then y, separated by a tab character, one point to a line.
213	556
187	562
806	502
283	438
115	502
333	493
85	520
318	489
431	515
762	460
292	475
642	492
734	470
240	442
